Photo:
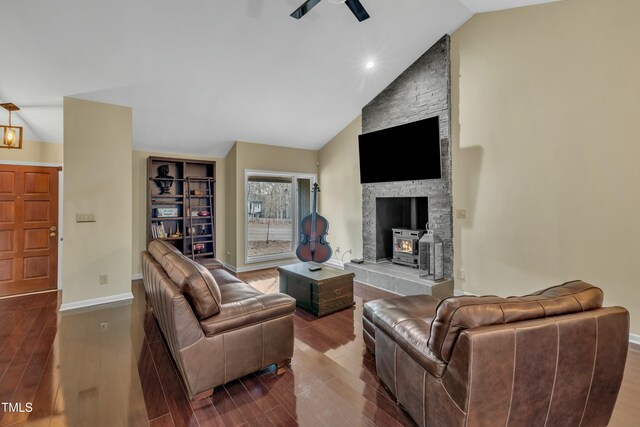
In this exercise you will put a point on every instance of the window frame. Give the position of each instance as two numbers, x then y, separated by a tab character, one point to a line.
295	222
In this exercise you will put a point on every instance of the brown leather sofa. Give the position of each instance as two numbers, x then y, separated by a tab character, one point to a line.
552	358
216	327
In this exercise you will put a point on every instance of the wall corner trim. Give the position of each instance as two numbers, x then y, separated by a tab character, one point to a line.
96	301
231	268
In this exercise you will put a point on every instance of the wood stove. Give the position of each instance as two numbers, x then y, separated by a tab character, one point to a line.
405	246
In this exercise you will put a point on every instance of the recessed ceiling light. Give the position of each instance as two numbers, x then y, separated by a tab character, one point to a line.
370	64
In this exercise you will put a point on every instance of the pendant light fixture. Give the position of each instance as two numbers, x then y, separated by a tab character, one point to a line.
11	135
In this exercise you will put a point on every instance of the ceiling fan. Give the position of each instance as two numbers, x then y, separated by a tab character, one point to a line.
354	5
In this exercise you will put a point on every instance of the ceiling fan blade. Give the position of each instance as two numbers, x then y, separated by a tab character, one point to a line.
358	10
306	7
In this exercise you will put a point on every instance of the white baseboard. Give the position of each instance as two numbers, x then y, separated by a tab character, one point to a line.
96	301
229	267
335	264
136	276
260	266
459	293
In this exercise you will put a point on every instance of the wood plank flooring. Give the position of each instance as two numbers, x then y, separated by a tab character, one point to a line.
110	367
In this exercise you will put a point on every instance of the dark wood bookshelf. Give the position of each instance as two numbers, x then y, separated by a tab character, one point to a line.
203	254
193	187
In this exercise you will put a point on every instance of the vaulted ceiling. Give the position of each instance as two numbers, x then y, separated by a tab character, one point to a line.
200	74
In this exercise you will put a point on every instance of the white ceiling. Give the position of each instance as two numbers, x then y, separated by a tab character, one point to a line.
478	6
200	74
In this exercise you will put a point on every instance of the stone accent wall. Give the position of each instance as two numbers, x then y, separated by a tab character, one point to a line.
423	90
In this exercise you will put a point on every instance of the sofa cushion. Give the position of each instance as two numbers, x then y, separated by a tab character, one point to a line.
159	248
200	288
244	305
455	314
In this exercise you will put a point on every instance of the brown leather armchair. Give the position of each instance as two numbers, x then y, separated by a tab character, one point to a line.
552	358
216	327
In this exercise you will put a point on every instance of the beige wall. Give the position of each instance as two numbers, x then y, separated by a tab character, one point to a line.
545	149
34	151
97	179
139	200
268	158
341	195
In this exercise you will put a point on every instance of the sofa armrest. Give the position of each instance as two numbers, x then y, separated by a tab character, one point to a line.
185	325
412	335
174	314
407	320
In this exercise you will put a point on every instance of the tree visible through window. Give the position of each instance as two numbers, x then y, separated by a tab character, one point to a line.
274	205
270	213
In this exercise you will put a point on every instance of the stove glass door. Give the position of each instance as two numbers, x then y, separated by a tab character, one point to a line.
405	246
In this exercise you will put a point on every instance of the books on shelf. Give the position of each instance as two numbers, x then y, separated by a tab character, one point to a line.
158	231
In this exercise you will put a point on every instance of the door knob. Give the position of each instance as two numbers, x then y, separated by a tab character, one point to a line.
53	228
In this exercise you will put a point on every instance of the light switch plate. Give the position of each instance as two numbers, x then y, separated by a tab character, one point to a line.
85	217
461	213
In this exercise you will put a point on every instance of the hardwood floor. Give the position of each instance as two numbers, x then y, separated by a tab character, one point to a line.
110	367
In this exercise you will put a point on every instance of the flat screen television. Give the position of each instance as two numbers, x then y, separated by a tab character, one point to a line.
401	153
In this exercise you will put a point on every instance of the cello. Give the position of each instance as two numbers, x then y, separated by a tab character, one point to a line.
313	244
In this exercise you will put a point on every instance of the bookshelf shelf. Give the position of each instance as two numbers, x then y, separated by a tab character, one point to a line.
185	185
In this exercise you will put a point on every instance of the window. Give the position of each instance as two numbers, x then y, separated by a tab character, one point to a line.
275	202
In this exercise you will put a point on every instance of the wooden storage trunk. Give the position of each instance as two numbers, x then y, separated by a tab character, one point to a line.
320	292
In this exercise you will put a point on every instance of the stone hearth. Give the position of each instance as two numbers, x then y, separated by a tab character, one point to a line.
399	279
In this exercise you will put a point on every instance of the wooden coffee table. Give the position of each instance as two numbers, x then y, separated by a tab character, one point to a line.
320	292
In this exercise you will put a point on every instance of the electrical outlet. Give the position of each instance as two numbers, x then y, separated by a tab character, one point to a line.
337	249
104	326
104	279
461	274
461	213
